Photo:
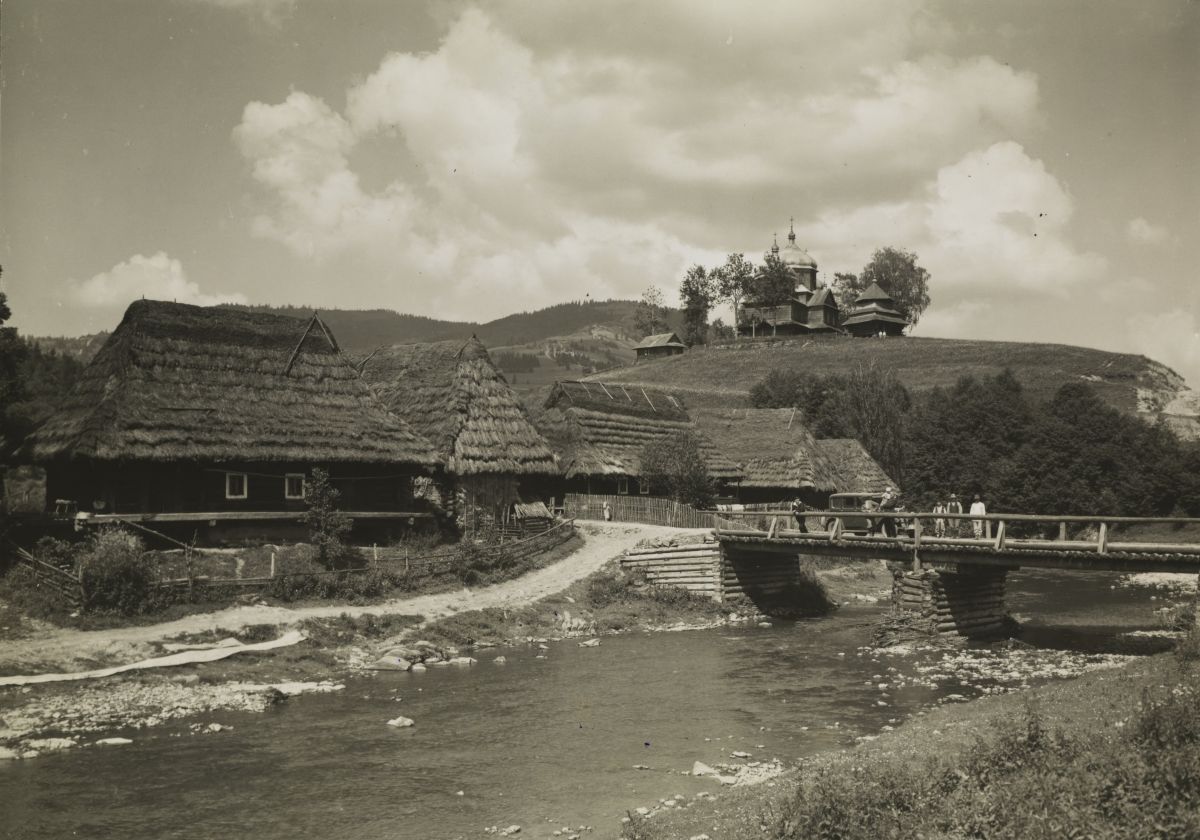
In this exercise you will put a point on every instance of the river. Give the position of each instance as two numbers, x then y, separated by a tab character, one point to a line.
541	743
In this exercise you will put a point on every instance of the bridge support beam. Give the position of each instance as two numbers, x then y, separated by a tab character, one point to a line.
964	601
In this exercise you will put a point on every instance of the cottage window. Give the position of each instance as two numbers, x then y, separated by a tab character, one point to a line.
293	486
644	486
623	486
236	486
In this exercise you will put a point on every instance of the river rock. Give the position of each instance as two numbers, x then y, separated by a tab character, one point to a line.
510	831
500	660
590	643
8	755
401	722
462	660
740	754
50	744
702	769
417	667
390	663
113	742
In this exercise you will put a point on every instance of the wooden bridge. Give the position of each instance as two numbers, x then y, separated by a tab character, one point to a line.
942	575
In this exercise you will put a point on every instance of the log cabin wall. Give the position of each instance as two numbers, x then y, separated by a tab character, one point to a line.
695	567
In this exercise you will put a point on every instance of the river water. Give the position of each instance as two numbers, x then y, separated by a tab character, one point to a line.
542	743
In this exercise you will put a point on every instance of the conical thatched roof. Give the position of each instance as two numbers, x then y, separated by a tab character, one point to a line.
771	445
177	382
453	394
853	468
600	428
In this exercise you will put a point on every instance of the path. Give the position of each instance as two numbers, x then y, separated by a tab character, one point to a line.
60	648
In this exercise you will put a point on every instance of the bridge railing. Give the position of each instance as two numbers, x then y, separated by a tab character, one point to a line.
913	529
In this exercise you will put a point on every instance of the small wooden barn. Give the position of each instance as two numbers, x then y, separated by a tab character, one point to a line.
658	346
852	468
452	393
777	455
208	414
875	313
599	430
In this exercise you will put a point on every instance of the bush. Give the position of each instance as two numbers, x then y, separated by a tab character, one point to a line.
116	576
607	588
1188	649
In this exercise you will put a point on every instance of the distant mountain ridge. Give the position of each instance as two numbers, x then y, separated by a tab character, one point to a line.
362	330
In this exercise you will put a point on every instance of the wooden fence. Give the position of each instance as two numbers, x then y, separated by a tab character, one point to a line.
60	580
647	510
398	559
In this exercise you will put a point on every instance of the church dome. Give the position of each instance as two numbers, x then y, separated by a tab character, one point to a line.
793	256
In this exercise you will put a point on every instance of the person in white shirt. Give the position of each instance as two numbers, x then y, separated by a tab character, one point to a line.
978	508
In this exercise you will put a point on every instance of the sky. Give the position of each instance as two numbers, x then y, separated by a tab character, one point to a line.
467	160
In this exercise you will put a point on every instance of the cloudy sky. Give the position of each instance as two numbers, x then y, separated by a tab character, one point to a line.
467	160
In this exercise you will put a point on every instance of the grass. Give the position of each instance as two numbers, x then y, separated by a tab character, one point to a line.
724	374
1112	754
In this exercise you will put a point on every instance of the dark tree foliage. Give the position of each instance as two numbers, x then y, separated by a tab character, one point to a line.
12	374
327	525
897	273
774	286
697	291
957	437
46	378
650	316
817	396
677	464
1084	457
734	282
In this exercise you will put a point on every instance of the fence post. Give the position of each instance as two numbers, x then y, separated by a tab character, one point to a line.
272	564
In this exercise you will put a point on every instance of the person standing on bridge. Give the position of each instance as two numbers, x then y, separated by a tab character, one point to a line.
939	522
798	508
978	508
888	503
954	507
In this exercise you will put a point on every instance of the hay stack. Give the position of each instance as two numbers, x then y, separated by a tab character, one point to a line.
453	394
176	382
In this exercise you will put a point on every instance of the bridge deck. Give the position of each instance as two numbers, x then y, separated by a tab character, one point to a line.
999	552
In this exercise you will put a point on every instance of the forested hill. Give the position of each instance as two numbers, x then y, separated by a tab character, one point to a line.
362	330
725	373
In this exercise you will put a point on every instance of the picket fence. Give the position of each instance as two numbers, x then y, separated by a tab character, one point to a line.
646	510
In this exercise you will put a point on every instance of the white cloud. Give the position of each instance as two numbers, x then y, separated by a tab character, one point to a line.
1171	337
1145	232
536	166
158	277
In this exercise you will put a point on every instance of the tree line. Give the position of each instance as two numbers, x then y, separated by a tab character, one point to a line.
1072	455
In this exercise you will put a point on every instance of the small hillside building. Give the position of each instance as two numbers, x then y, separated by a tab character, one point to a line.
812	308
210	415
599	430
875	313
658	346
451	393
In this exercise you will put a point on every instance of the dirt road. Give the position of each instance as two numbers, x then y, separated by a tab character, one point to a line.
62	648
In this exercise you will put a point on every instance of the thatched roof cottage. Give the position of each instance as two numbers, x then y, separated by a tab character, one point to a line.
658	346
599	431
853	468
452	393
778	456
222	412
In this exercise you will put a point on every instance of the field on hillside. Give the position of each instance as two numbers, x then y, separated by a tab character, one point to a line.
723	374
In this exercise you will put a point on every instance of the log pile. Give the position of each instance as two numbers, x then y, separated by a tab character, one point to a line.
691	566
967	603
744	577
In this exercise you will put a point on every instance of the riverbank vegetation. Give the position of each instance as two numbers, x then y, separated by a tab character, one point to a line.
1111	754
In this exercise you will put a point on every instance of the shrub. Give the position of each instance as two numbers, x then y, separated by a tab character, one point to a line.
116	576
1188	649
607	588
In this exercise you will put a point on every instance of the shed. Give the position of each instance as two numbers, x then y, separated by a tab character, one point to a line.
656	346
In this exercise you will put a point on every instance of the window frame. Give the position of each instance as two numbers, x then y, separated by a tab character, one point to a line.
245	477
623	486
643	487
287	477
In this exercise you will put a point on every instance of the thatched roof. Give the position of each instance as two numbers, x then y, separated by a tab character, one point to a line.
600	428
450	392
854	470
772	447
176	382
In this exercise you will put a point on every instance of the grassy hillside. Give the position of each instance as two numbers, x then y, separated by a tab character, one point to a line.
724	374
